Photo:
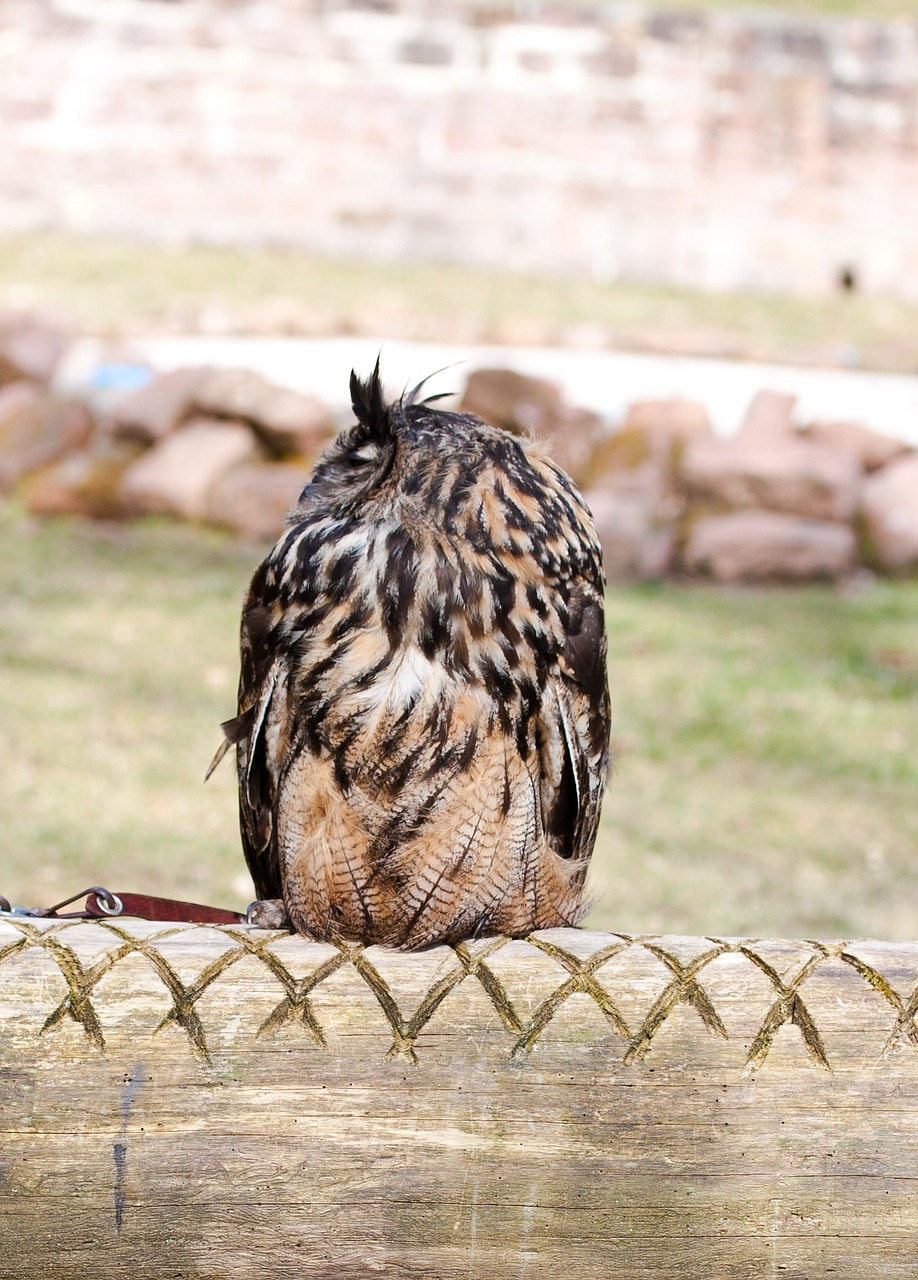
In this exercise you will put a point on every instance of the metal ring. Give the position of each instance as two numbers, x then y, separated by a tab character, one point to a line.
109	904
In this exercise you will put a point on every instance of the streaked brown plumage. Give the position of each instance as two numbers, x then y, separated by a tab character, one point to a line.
423	720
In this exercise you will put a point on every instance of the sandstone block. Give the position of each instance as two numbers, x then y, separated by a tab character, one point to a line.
889	516
756	545
153	411
535	407
22	408
288	422
770	414
641	457
625	466
676	420
35	429
254	499
638	540
84	483
872	448
777	473
176	475
30	347
574	443
514	401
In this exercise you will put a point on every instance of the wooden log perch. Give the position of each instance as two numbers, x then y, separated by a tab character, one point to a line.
181	1101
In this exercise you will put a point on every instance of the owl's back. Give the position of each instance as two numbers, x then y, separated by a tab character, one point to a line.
423	714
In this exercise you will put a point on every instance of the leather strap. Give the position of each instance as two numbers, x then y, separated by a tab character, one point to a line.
146	907
102	904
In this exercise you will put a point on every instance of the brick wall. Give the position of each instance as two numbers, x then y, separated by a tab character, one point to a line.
722	149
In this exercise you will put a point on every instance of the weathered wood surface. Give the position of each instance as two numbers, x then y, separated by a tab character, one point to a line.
181	1101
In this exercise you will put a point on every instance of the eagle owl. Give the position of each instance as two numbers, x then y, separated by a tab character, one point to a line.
423	728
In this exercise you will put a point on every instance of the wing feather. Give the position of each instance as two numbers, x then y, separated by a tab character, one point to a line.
261	733
574	731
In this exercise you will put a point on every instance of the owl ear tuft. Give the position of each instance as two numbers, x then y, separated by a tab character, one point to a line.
370	406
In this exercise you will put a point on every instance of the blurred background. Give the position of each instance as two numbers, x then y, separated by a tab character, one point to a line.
679	241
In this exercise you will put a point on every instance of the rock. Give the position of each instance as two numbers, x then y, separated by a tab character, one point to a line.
254	499
535	407
872	448
769	414
756	545
176	475
30	347
641	456
889	516
677	420
36	429
647	446
574	443
635	467
638	540
22	409
514	401
151	412
634	499
780	474
85	483
290	423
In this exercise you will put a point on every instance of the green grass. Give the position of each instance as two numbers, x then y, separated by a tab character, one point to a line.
116	288
767	741
120	662
767	773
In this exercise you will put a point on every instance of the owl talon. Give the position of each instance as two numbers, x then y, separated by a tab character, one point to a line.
268	913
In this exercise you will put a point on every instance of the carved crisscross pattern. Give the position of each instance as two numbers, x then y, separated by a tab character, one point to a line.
587	976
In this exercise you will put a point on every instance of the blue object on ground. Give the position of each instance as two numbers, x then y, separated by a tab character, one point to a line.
121	376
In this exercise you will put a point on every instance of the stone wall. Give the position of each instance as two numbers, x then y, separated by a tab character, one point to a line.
228	447
719	149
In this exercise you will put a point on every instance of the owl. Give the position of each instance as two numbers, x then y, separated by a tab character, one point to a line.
423	721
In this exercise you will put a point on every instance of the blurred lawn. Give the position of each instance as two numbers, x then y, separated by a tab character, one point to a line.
767	772
114	288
